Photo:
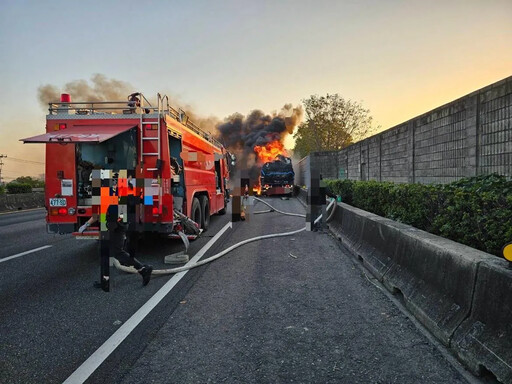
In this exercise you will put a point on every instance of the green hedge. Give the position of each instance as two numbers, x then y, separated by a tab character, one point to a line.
18	188
2	189
474	211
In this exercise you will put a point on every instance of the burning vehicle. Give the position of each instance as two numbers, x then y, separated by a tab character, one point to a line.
263	164
277	177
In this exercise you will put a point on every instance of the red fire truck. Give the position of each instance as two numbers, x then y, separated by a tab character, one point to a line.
181	169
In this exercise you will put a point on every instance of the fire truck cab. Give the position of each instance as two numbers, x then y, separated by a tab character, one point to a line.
178	169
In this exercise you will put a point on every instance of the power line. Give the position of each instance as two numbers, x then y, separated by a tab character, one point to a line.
24	160
19	174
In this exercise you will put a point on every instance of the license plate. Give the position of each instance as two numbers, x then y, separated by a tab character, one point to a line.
58	202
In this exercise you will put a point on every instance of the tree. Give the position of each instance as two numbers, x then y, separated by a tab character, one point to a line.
34	183
332	123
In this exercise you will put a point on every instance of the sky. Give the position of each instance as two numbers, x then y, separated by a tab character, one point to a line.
397	58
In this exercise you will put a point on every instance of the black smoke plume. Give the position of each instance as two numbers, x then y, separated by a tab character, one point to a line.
244	133
241	134
100	89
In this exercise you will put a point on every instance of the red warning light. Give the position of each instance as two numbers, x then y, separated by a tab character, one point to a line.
63	211
62	126
65	98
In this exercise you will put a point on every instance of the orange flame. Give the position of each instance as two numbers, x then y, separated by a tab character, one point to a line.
269	151
266	153
256	190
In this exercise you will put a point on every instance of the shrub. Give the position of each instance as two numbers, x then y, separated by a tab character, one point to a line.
373	196
414	204
474	211
18	188
2	189
478	212
341	188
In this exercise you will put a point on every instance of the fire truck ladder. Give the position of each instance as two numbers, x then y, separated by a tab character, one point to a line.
165	109
151	121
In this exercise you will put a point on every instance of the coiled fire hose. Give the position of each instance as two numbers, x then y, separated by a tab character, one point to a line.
131	269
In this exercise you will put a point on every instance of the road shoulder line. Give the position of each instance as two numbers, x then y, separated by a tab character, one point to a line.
84	371
24	253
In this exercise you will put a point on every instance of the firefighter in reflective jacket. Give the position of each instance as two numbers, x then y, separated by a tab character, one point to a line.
117	242
117	228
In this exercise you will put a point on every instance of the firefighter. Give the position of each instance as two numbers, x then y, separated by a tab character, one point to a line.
117	240
245	199
175	166
88	223
134	102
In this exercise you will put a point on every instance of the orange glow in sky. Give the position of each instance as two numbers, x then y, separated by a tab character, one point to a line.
399	59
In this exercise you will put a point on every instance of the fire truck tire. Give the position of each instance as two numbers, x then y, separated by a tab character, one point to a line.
195	211
205	212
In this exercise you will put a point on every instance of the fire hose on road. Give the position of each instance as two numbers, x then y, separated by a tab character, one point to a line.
332	204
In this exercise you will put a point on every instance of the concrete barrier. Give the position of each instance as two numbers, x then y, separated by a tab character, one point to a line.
302	195
484	340
20	201
436	277
365	235
461	295
379	241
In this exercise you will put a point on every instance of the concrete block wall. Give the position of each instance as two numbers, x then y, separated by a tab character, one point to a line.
21	201
445	142
467	137
342	160
495	130
394	151
353	162
302	172
374	165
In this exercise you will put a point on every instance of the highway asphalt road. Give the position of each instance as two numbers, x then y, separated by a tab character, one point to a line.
291	309
51	317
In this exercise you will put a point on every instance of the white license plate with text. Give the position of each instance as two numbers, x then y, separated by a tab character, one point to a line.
58	202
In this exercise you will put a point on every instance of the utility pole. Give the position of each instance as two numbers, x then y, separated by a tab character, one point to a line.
1	163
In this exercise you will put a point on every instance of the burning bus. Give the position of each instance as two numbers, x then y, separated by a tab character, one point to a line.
263	164
277	177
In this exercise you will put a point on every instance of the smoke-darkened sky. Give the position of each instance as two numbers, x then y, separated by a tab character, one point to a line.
400	59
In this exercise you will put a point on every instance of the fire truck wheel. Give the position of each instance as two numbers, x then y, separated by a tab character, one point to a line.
205	210
195	211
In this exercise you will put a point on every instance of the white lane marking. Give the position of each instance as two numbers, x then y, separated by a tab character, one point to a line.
83	372
24	253
21	211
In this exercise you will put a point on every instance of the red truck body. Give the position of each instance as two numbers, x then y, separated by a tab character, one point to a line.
177	165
